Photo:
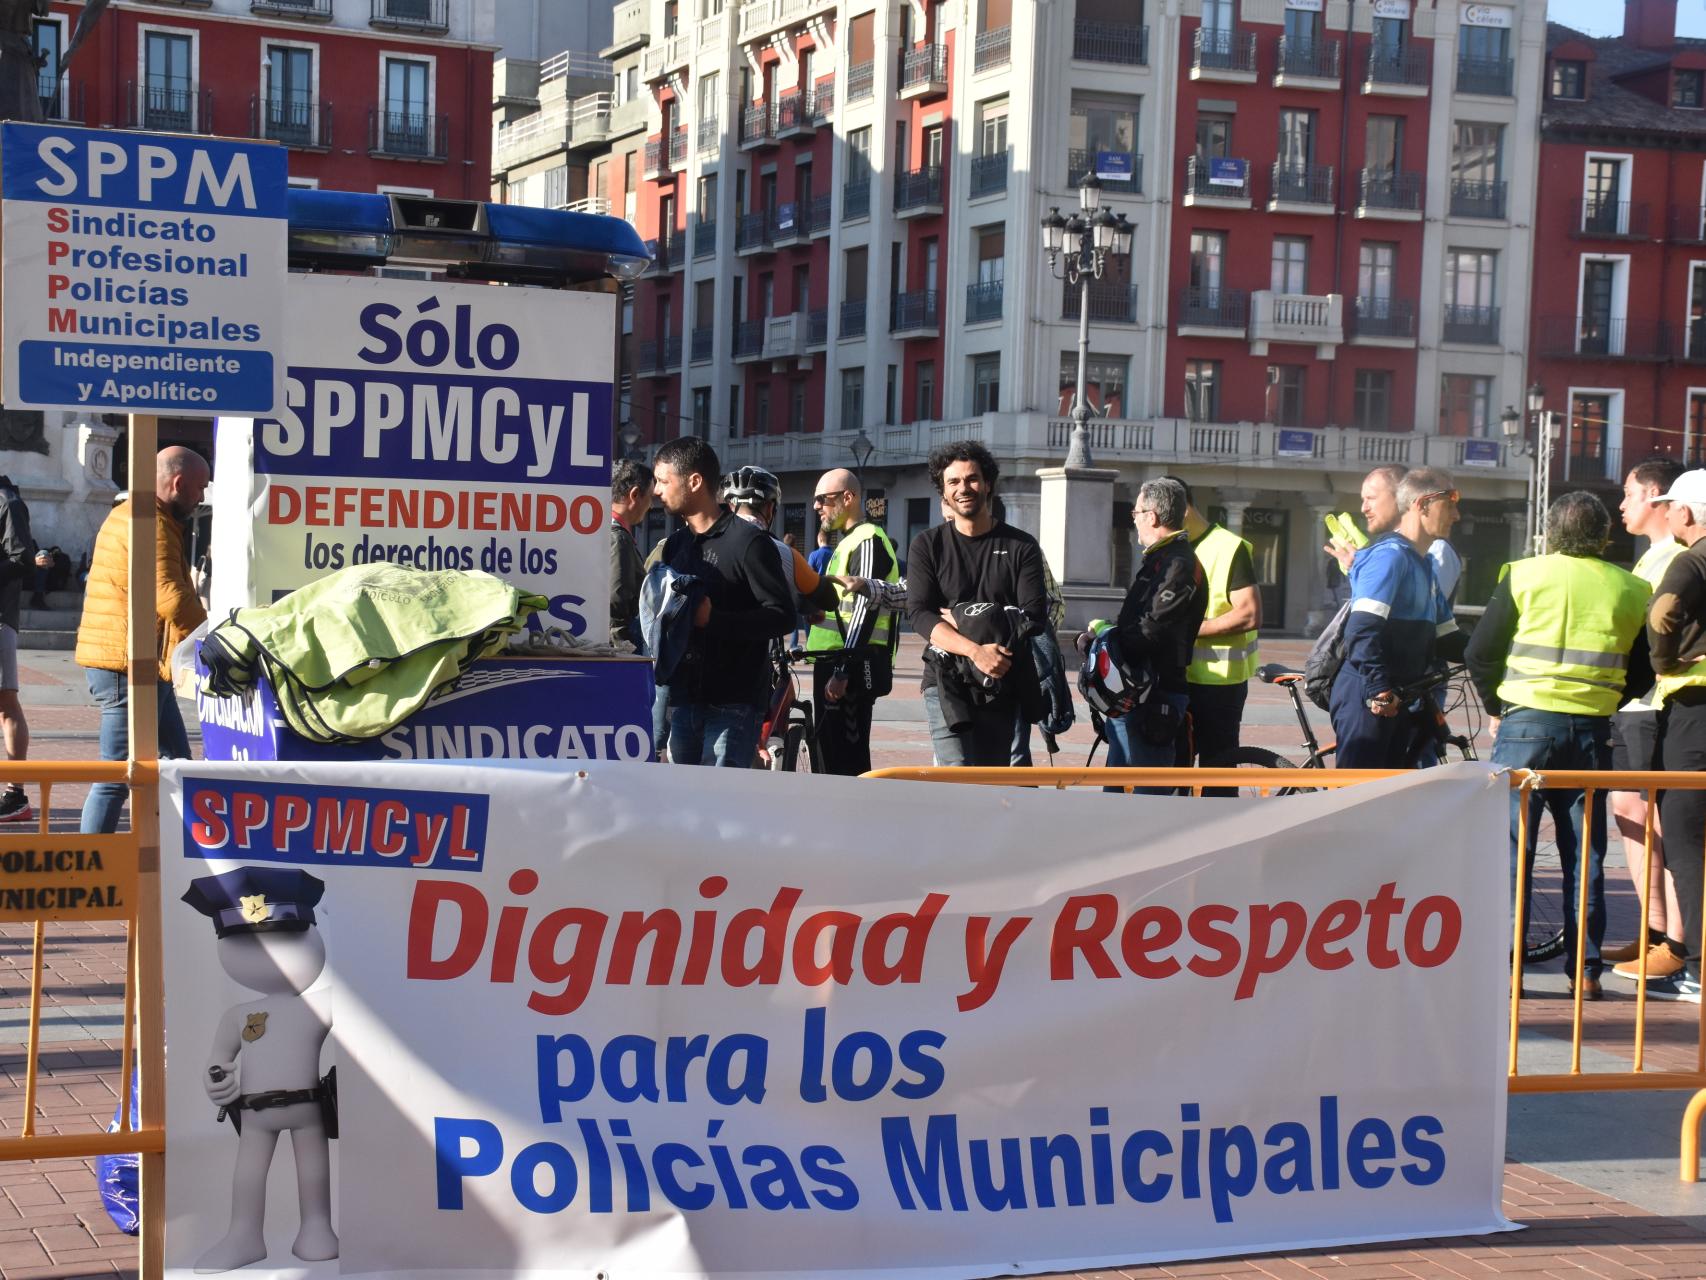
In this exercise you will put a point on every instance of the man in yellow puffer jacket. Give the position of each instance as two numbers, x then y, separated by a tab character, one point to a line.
180	479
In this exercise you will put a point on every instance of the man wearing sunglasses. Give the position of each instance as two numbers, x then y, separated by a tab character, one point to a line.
1398	628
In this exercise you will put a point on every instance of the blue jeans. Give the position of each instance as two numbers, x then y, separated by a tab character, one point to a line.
110	692
727	735
1127	747
1544	740
988	741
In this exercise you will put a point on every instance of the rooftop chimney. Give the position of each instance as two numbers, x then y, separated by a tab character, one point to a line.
1650	24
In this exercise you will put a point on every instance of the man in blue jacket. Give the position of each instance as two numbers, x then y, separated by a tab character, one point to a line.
1399	628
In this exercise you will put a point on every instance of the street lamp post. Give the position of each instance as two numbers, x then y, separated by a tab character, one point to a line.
1539	453
1078	250
861	449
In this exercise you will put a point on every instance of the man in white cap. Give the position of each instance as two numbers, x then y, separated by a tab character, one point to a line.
1676	638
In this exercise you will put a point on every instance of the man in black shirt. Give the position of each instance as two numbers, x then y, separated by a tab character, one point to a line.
718	693
972	558
1157	628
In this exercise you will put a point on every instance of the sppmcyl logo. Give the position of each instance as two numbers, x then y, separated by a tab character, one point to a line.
344	826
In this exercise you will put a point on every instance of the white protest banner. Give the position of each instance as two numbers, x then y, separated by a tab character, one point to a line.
631	1020
141	272
433	425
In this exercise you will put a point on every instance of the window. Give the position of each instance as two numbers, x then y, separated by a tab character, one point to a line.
1487	45
1685	90
556	186
891	394
1302	29
1376	265
767	294
991	254
1603	210
856	274
710	85
708	197
761	409
1465	405
1696	309
1469	277
852	399
1214	137
797	405
628	308
1217	15
1383	150
859	155
289	94
632	79
802	287
1290	272
702	412
408	107
1208	262
47	37
1371	404
1477	152
1104	383
1099	123
1590	423
665	423
1202	390
1296	139
1599	328
933	147
1391	37
168	82
1569	79
1285	394
734	409
1694	444
986	384
992	128
924	405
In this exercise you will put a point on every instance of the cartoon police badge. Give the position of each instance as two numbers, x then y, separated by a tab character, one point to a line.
263	1071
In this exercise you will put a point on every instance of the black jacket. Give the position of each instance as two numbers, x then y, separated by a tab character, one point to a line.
627	572
728	661
1163	611
946	568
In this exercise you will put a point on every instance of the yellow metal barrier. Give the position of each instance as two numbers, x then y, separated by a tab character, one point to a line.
1266	782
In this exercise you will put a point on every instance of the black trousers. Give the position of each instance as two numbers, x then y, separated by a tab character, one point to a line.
1684	812
1217	714
844	727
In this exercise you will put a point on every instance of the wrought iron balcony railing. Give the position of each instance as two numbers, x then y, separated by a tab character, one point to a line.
1124	44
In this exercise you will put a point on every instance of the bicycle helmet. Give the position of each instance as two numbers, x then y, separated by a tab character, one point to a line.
751	486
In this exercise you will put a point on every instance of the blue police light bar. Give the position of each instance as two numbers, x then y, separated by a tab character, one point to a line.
353	231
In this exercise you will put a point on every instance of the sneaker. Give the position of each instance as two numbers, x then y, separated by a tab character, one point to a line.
1617	955
1662	962
1682	987
15	806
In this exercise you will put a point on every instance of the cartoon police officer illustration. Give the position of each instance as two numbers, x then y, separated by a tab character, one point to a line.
264	919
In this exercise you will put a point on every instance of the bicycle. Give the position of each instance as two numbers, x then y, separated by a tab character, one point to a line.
788	720
1544	933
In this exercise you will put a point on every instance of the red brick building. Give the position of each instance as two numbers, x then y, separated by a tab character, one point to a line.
1619	307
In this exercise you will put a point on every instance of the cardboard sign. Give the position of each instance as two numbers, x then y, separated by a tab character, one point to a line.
67	877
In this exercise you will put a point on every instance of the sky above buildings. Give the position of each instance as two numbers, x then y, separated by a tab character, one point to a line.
1605	17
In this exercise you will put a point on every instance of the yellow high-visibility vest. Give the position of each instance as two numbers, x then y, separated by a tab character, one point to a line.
1576	620
1227	659
829	633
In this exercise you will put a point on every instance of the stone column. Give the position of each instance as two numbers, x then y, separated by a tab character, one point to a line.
1518	524
1075	508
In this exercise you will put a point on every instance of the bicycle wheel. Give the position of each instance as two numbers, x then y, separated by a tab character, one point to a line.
795	748
1543	934
1249	758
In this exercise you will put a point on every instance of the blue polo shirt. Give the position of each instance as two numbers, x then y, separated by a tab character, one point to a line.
1397	613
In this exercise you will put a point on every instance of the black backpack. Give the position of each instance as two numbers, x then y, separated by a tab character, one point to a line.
1326	656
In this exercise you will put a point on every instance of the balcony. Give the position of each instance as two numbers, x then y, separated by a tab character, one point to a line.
1300	188
1217	182
1688	224
62	101
823	101
915	315
757	127
1223	55
1314	319
669	253
749	340
1213	313
307	126
1384	322
656	166
1608	219
752	232
1693	350
658	359
1489	77
1477	199
420	17
817	329
1399	73
789	225
589	204
1122	44
924	72
704	238
1078	163
1111	302
167	110
851	322
303	10
710	135
861	81
1383	193
1474	326
703	341
627	27
1307	64
785	336
678	147
983	301
918	193
818	214
993	49
856	201
404	136
793	114
988	175
1603	338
